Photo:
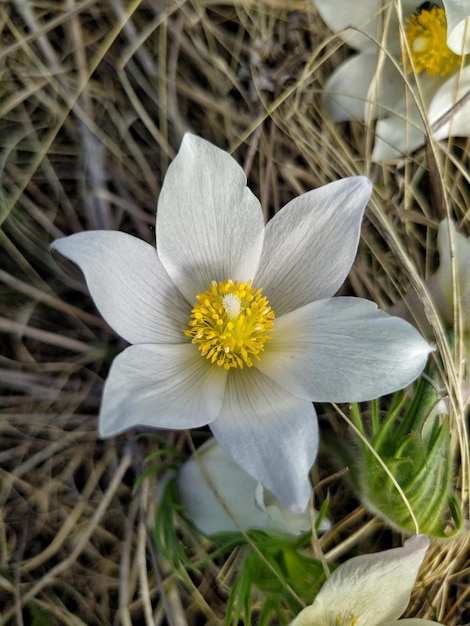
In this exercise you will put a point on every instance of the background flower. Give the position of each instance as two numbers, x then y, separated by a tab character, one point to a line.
458	25
219	496
451	280
199	326
449	290
373	85
369	590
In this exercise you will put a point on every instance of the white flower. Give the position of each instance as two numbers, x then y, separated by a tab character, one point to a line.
369	590
448	288
372	84
195	312
451	280
219	496
457	257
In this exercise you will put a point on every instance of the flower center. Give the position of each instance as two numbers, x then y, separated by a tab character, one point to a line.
350	622
230	323
426	32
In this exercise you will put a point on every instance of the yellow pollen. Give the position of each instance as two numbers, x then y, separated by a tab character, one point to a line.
426	33
230	323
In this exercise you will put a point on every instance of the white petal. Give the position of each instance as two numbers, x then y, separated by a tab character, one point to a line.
285	521
339	15
271	434
217	494
343	350
161	386
458	25
411	307
403	129
396	136
209	224
443	101
346	90
374	588
361	89
400	132
311	243
444	276
413	622
366	16
314	615
364	88
130	288
440	285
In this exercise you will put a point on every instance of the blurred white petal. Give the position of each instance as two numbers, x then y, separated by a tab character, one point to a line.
397	135
359	23
412	622
364	87
283	520
446	100
458	25
372	588
454	248
345	93
402	129
219	496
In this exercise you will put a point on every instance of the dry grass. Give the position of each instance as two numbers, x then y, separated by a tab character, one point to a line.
95	96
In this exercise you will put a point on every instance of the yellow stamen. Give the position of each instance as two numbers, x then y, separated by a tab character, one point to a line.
230	323
426	32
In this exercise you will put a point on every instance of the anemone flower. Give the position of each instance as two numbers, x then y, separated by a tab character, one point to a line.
453	274
369	590
449	290
414	79
219	496
451	280
232	322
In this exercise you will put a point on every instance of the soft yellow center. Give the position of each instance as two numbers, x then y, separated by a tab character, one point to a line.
426	32
230	323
